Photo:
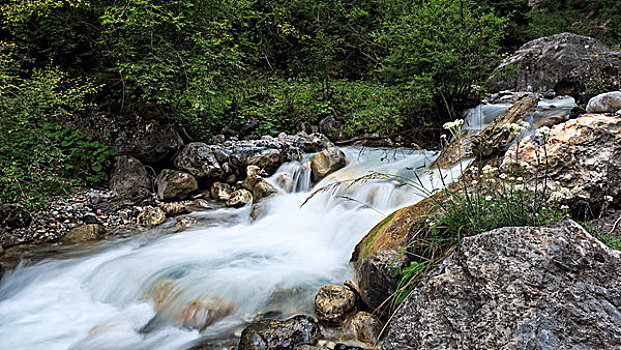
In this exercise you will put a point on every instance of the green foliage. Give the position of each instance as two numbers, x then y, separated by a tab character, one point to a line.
446	44
612	241
38	158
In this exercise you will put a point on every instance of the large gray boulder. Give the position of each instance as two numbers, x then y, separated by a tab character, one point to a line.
265	158
199	159
129	179
581	161
552	287
609	102
542	63
597	74
175	185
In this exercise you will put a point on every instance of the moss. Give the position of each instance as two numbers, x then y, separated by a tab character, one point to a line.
371	239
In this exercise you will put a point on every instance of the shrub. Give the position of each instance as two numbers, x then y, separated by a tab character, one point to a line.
38	158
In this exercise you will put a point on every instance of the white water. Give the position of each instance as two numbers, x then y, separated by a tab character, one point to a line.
482	115
100	300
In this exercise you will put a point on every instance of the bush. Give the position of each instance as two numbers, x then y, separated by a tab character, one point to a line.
38	158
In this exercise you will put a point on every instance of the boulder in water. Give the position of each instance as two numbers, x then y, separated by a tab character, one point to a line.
130	179
82	234
542	63
458	150
602	71
204	311
280	335
239	198
173	209
184	222
263	189
609	102
327	161
150	217
200	160
333	304
551	287
163	292
284	180
392	232
265	158
175	185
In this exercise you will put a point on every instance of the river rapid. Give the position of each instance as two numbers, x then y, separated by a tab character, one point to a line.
102	297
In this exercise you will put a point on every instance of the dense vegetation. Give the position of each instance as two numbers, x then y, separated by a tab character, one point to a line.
377	65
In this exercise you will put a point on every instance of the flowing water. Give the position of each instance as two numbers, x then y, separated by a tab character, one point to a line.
103	297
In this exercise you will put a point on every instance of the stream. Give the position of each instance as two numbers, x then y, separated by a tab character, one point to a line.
105	296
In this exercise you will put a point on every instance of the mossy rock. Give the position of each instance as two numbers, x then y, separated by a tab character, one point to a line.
392	232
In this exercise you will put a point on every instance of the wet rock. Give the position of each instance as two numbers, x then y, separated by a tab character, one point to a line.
552	287
333	304
221	191
314	142
542	63
82	234
327	161
239	198
130	179
150	217
608	102
581	159
174	209
200	160
309	347
13	216
183	223
250	182
175	185
363	327
257	212
204	311
284	180
378	278
263	189
253	170
280	335
265	158
198	313
494	138
163	292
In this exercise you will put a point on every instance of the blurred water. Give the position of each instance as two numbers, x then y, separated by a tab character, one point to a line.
102	299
